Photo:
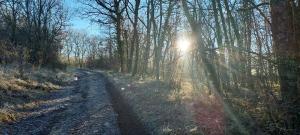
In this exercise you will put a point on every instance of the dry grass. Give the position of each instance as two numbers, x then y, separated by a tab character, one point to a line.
15	90
163	110
42	79
7	117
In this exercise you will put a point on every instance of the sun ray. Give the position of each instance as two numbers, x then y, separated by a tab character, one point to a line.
183	45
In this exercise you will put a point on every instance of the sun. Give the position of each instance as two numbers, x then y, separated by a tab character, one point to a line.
183	45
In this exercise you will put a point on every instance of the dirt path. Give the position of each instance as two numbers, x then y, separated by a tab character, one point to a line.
85	107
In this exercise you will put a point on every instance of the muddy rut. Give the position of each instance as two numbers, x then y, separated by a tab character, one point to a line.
90	105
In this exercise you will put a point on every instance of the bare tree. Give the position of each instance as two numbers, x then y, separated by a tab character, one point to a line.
162	34
113	12
135	37
31	25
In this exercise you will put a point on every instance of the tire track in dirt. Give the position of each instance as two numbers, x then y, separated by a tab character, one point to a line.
94	107
127	118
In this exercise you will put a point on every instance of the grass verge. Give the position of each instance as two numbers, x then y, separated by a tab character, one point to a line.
22	91
162	110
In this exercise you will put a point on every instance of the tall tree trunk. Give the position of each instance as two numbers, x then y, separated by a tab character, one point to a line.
136	36
148	40
228	46
285	28
119	39
127	49
161	40
131	52
217	24
237	54
247	24
155	33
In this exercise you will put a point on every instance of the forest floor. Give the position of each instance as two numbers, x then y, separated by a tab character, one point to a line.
52	102
81	106
165	111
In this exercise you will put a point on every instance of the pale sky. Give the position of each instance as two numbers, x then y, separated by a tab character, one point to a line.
79	23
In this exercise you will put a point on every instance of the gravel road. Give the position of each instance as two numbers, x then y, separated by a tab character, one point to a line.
84	107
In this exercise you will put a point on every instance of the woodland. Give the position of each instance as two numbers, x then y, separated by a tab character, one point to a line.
244	52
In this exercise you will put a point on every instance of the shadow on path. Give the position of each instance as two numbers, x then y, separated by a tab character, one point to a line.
127	119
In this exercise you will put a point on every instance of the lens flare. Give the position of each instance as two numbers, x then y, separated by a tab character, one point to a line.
183	45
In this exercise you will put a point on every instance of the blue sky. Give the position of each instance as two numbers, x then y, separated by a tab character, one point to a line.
79	23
